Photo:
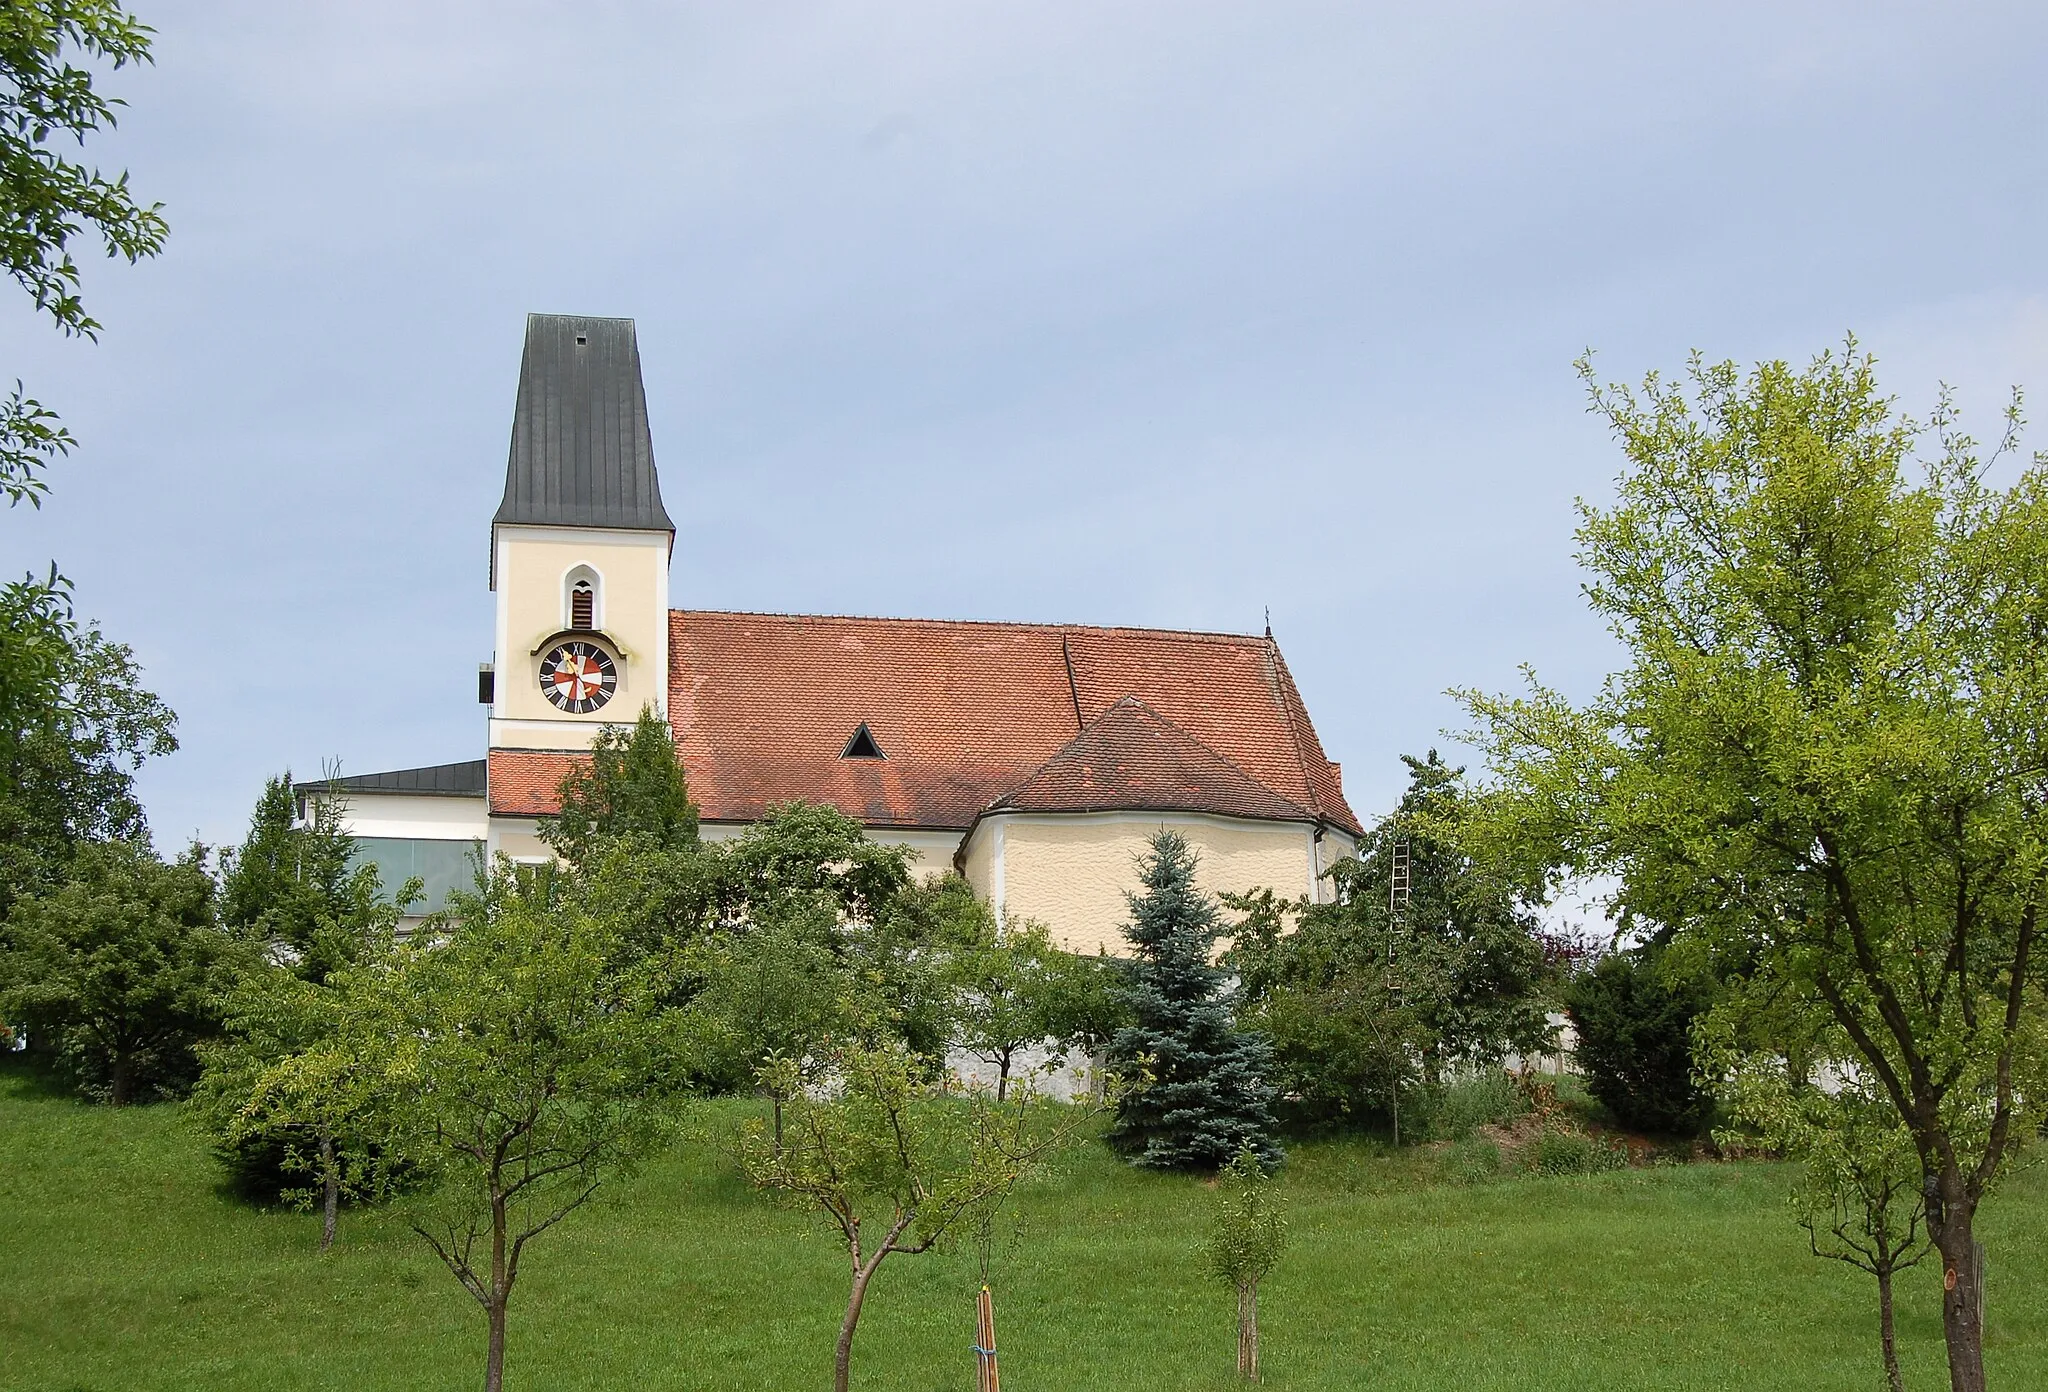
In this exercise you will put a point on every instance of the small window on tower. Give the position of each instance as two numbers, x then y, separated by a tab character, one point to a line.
862	746
583	606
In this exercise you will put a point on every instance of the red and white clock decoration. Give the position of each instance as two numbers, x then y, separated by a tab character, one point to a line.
578	677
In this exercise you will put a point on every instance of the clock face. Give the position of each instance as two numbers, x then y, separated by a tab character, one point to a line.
578	677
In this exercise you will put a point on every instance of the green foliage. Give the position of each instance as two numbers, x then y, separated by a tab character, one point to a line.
286	1108
1248	1232
1859	1197
1471	1162
510	1059
1248	1238
289	889
119	970
1015	991
1823	763
803	855
1455	1108
1205	1094
631	789
1559	1151
769	992
1634	1013
47	200
75	724
1359	1000
290	885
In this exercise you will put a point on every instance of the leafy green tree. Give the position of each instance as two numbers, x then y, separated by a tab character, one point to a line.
892	1164
1824	756
773	992
803	854
74	721
1634	1014
1859	1194
1206	1094
1015	991
631	789
513	1062
290	890
119	971
1363	998
1247	1240
75	724
291	885
48	200
283	1103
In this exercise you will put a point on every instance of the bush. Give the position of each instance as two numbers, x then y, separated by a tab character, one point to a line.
1452	1111
1635	1042
1570	1153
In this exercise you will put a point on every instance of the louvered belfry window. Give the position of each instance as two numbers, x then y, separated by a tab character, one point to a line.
582	606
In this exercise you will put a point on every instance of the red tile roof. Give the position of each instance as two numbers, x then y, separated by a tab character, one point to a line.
523	782
763	704
1135	759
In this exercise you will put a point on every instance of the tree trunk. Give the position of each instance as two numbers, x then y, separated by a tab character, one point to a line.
1962	1323
1886	1332
842	1356
501	1293
1248	1330
494	1361
331	1183
1003	1076
119	1081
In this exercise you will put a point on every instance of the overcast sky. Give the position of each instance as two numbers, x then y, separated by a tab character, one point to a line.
1149	314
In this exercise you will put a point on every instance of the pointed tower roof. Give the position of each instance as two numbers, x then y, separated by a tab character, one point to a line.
582	455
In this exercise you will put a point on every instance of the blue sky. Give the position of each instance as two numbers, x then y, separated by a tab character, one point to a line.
1148	314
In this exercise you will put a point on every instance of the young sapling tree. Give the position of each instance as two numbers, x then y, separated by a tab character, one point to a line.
893	1165
1859	1194
1248	1240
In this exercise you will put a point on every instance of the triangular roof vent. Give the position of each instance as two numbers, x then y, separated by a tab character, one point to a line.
862	745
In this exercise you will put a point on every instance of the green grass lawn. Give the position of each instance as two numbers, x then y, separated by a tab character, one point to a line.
122	1266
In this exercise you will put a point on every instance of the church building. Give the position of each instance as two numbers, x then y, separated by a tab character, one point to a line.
1035	759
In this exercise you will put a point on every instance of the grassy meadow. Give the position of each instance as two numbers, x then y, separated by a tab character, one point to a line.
124	1266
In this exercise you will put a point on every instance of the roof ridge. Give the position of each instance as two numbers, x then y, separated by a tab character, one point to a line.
1208	635
1285	681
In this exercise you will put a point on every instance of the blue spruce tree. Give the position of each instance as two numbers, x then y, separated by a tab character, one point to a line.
1208	1097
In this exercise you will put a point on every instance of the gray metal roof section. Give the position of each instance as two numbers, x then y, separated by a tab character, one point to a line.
582	455
436	780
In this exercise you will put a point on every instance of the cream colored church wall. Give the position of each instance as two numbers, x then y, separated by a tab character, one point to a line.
533	564
978	865
1071	873
1335	846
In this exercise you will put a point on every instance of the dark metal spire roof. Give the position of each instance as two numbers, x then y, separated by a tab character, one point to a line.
582	455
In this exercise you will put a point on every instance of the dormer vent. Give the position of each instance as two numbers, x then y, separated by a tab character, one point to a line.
862	745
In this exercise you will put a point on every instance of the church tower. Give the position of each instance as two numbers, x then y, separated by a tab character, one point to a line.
580	545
